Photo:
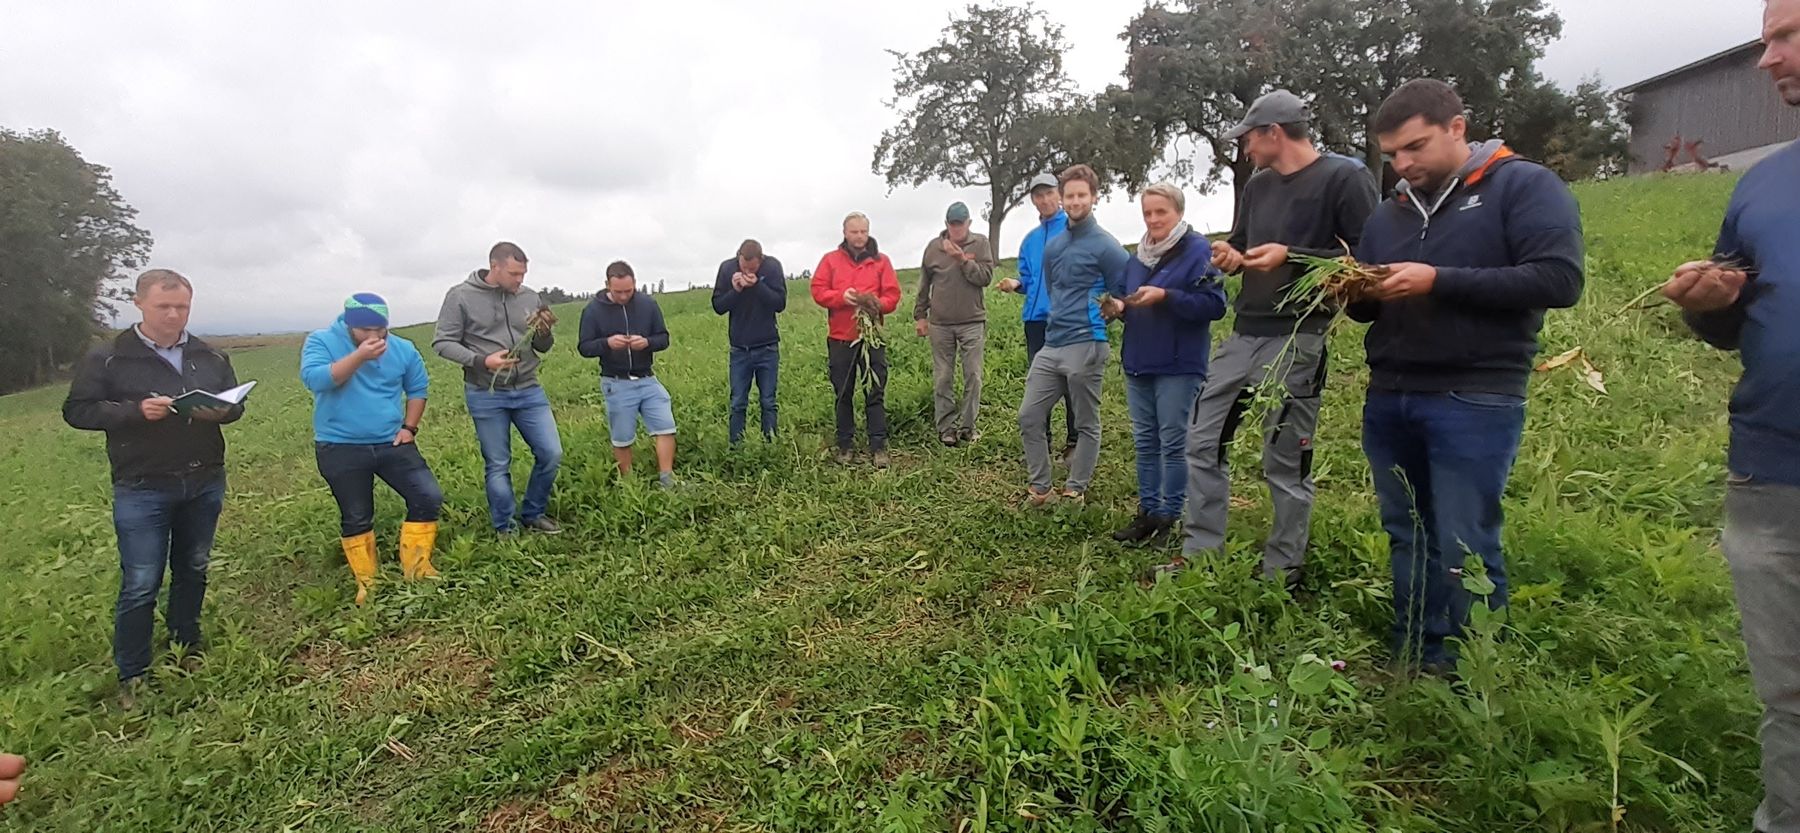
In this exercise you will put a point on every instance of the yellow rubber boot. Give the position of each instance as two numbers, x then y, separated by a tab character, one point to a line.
416	540
359	552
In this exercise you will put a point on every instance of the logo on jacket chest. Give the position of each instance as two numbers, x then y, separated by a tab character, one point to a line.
1474	202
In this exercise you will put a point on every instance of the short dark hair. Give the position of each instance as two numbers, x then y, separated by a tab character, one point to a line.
504	251
1429	98
1081	172
162	279
619	269
1298	131
750	250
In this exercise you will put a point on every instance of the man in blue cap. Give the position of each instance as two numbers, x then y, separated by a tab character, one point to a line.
368	397
957	267
1046	197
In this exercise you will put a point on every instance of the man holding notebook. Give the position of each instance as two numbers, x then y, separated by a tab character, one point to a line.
168	466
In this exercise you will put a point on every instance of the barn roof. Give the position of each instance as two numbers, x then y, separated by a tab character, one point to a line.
1683	70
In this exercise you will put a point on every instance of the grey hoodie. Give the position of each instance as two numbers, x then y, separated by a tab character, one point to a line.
477	320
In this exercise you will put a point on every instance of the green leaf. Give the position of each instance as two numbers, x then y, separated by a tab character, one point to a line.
1310	678
1231	631
1178	761
1478	583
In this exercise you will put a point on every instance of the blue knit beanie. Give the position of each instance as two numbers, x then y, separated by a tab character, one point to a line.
365	310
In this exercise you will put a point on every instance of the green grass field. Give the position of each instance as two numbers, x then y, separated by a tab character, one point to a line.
785	645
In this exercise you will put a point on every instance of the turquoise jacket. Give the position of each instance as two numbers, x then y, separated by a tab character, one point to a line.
370	406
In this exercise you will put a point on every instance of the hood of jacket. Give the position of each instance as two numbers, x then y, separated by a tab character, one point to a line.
1484	158
869	252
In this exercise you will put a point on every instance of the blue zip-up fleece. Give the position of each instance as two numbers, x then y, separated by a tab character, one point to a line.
752	311
1759	234
1505	236
1031	266
1079	266
370	406
603	319
1173	337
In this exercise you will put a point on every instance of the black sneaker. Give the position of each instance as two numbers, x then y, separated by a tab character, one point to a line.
131	692
1164	529
1140	528
543	524
190	657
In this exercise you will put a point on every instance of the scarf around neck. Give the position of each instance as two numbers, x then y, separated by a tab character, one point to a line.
1150	253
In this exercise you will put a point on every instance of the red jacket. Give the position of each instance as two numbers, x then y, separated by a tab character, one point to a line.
838	271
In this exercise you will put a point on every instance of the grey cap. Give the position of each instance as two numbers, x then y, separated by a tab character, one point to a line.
1278	107
1043	181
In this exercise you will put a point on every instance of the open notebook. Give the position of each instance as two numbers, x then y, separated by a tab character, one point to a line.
196	400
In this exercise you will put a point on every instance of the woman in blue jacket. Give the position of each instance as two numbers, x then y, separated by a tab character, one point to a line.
1171	295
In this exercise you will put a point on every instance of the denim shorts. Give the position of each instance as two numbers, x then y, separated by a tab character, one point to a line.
628	399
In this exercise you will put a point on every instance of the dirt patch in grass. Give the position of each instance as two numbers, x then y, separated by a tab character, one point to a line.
402	665
583	803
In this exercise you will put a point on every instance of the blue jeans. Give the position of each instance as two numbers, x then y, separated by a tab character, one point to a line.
350	471
1161	406
165	521
761	365
495	414
1440	463
629	399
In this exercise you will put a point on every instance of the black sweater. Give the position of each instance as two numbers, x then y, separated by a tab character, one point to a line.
1317	210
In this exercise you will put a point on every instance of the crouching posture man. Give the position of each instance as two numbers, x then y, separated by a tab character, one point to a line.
368	397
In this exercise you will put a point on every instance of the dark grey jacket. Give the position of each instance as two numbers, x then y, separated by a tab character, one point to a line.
479	319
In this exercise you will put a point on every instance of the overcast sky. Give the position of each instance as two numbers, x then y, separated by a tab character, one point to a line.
286	155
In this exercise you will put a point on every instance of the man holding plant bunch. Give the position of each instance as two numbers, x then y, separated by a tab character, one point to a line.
368	397
1477	244
1300	202
495	328
168	466
855	283
1743	299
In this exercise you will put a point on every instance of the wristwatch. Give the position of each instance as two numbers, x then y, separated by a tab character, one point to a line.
410	429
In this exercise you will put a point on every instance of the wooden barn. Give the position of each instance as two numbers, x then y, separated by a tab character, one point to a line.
1718	111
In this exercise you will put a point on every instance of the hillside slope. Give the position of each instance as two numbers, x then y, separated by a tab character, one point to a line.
787	645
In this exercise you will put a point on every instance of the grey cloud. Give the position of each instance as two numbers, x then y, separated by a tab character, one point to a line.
285	156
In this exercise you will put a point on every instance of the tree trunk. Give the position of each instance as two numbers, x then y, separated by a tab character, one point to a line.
1241	171
997	210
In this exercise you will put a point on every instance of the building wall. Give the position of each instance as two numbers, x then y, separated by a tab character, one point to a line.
1730	104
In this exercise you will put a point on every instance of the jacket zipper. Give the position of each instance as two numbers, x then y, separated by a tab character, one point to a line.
630	365
1443	197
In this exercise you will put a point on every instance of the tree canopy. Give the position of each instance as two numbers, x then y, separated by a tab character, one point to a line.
67	235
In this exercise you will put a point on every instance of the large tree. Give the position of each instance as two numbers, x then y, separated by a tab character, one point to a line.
66	236
982	108
1196	65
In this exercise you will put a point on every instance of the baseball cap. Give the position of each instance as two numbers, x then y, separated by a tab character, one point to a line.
1278	107
1043	181
958	213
